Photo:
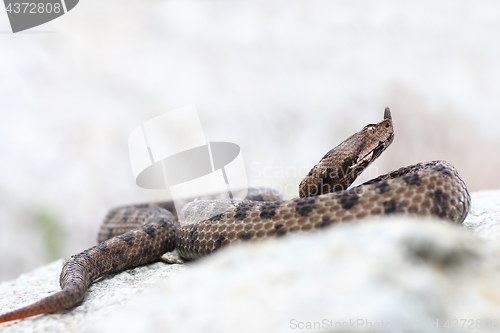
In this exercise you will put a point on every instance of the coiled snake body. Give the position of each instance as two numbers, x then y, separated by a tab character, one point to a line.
139	234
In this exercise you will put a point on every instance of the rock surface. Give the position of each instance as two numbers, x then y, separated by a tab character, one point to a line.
484	217
400	272
104	297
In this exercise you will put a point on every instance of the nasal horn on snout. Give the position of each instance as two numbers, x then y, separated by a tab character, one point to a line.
387	114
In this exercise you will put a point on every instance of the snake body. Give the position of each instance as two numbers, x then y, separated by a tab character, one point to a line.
138	234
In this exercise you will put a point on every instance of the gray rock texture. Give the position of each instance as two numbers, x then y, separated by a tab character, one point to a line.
395	273
484	217
103	299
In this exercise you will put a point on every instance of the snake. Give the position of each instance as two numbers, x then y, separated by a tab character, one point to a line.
134	235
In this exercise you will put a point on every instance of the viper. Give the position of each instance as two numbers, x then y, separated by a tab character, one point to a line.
139	234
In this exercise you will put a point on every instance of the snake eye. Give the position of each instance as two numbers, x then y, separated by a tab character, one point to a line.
371	129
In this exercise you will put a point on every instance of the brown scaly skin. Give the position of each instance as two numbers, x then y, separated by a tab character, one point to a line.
430	189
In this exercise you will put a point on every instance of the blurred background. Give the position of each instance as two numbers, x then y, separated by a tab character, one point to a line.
285	80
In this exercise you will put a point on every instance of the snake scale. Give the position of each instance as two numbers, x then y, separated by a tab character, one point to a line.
139	234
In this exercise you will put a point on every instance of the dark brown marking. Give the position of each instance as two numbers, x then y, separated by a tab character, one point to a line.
304	205
99	264
127	238
412	179
443	169
349	200
220	241
242	209
440	196
163	223
326	221
110	233
390	207
279	230
149	229
193	235
146	251
382	186
111	214
245	236
102	247
125	218
269	210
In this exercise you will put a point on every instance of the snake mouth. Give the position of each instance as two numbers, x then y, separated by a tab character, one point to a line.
380	148
365	159
374	153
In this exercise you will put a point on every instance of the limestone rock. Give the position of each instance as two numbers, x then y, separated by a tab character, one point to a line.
398	273
484	217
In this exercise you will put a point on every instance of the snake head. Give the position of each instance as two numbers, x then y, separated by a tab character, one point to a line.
338	169
374	139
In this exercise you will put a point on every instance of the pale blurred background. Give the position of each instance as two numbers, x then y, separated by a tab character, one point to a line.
285	80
